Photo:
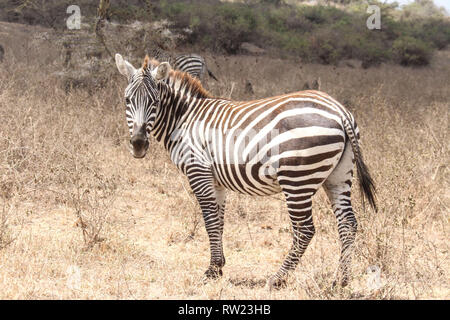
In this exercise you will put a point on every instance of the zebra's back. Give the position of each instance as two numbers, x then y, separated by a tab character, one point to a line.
193	64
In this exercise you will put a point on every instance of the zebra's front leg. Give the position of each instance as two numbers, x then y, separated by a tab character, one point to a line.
300	214
210	199
221	197
214	223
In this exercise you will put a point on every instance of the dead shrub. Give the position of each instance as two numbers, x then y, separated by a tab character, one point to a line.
91	197
7	216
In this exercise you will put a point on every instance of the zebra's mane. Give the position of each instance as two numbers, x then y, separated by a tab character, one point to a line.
180	80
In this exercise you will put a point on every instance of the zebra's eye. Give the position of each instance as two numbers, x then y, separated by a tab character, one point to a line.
127	101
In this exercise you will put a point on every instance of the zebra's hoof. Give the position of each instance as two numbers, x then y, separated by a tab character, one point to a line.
212	273
276	283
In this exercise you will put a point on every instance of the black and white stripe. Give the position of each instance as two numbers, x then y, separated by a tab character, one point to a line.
293	143
193	64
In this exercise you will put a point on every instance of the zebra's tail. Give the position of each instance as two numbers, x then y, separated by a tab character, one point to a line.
366	183
211	75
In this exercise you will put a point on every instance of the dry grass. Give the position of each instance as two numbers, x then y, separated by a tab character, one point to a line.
64	157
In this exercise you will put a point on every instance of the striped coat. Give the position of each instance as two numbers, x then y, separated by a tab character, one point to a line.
193	64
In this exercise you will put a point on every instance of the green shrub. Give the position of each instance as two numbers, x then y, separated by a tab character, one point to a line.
434	30
233	26
322	14
409	51
325	46
295	44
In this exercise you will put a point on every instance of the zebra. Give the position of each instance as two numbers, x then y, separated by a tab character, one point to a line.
191	63
222	144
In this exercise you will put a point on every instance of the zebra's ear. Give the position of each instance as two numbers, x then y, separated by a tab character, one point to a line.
161	72
124	66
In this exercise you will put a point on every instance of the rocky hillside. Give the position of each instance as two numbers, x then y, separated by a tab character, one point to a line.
82	58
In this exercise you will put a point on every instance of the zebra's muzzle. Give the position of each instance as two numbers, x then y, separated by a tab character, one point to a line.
139	142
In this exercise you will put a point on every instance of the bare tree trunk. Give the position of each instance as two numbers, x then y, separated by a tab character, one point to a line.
102	12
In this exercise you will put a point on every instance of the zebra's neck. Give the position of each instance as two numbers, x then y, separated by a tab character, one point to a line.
180	94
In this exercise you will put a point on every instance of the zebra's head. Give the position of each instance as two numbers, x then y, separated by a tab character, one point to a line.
142	98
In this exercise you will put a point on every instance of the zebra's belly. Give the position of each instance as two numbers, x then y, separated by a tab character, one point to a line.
296	168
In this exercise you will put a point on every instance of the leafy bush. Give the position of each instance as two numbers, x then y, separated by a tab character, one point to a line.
324	47
316	33
433	30
234	25
409	51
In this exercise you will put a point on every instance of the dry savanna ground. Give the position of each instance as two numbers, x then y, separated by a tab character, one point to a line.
82	219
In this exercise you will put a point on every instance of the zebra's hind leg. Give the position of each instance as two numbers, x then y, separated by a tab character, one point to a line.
299	208
338	188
